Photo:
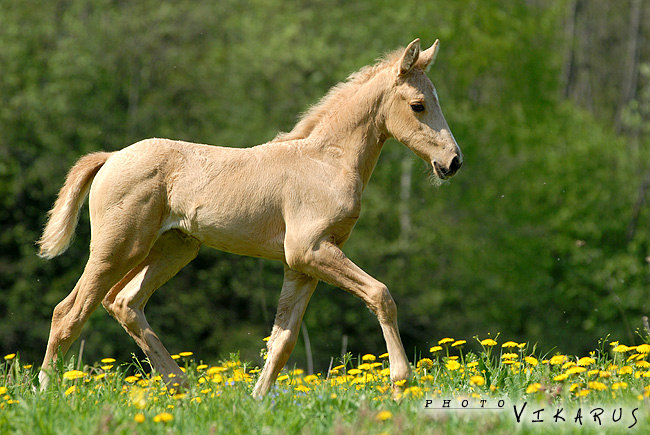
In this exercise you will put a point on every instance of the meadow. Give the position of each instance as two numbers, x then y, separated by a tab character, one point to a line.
499	387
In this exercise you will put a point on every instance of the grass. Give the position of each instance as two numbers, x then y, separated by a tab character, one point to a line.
449	393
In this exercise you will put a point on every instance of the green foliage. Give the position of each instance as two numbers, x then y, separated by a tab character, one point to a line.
543	234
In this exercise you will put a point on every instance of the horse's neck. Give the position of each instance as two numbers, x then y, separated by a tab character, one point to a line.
353	137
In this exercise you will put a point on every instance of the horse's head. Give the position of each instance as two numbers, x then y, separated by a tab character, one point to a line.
413	115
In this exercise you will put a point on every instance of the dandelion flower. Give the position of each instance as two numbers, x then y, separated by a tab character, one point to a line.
598	386
266	338
458	343
509	344
70	390
435	349
384	355
73	374
10	356
488	342
425	363
163	417
354	371
107	360
139	418
625	370
368	357
560	378
643	348
446	340
302	388
385	372
452	365
509	356
621	348
400	382
585	361
384	415
531	360
533	388
575	370
557	359
619	385
477	380
186	353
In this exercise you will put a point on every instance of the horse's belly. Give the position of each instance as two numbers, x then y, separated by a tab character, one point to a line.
255	237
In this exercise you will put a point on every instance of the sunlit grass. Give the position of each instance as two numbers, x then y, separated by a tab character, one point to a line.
129	396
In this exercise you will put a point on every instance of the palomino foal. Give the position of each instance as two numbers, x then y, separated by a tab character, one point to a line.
294	199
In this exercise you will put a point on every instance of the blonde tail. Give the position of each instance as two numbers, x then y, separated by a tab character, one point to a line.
64	215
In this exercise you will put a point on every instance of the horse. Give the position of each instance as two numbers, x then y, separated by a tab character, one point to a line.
294	199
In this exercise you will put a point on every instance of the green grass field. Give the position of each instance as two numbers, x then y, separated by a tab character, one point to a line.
500	389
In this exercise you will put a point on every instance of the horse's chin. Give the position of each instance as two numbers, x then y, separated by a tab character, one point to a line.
435	176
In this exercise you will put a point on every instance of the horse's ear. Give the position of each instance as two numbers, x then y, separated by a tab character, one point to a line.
428	56
409	58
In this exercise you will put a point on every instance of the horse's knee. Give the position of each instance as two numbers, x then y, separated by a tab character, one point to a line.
124	313
382	304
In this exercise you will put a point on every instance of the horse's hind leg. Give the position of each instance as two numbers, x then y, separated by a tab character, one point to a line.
127	299
69	316
296	292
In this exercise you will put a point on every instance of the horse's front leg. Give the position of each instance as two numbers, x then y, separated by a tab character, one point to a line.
296	292
325	261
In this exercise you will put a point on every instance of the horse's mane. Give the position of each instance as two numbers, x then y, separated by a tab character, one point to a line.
336	96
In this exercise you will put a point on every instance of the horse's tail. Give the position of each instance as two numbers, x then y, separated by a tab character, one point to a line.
64	215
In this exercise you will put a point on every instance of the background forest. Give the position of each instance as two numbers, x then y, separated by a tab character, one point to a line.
543	236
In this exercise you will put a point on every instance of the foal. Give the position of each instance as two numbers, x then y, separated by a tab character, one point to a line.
294	199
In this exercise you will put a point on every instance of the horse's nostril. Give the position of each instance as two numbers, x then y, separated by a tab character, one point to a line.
454	166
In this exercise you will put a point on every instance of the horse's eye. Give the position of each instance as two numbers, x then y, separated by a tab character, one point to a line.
417	107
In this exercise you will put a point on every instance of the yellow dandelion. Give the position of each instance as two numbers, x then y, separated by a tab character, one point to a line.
509	344
70	390
354	371
400	382
557	359
533	388
10	356
364	366
266	338
3	391
425	363
27	366
131	379
385	372
598	386
435	349
619	385
368	357
582	393
107	367
472	364
139	418
586	361
414	391
201	367
297	372
625	370
163	417
477	380
604	374
452	365
384	415
458	343
446	340
488	342
73	374
302	388
521	345
621	348
643	364
531	360
560	378
575	370
185	353
643	348
509	356
384	355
